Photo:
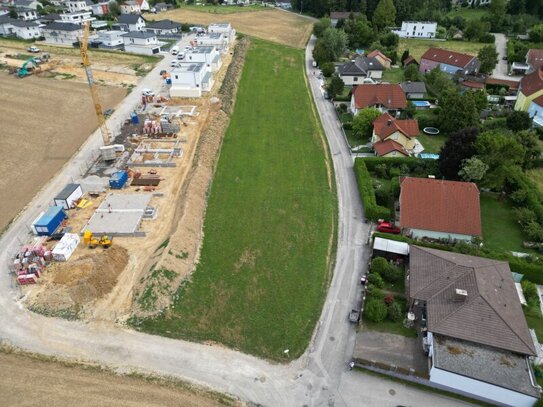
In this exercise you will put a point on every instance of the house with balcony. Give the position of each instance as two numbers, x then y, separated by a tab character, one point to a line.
100	9
25	30
472	326
142	42
386	97
207	55
358	70
77	17
74	6
62	33
450	62
223	28
395	138
190	79
26	14
217	40
416	29
110	39
130	22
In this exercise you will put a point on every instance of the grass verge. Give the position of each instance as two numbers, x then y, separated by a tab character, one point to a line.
269	224
432	144
534	320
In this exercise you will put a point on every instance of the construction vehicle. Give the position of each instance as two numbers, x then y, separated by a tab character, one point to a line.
83	48
91	241
28	67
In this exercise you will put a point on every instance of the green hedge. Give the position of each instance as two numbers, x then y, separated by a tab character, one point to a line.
367	193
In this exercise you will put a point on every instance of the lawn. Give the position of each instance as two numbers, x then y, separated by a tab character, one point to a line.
534	320
393	75
270	223
432	144
468	13
536	175
501	232
391	327
418	47
210	8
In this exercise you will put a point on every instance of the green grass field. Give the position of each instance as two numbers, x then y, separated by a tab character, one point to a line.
270	222
210	8
501	232
393	75
468	13
418	47
432	144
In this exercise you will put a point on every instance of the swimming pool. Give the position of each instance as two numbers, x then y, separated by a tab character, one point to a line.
421	104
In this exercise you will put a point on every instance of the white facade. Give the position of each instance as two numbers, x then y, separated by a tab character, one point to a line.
111	38
431	234
27	14
27	32
190	80
223	28
417	29
216	40
58	36
130	7
141	43
78	17
498	394
77	5
144	5
100	9
207	55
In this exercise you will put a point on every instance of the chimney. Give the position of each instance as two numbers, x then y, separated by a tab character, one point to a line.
460	295
389	122
432	176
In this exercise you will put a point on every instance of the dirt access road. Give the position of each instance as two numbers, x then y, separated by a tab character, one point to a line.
30	381
272	25
44	122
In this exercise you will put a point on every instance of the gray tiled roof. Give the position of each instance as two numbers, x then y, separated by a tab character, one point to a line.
164	25
128	18
360	66
413	87
63	27
139	34
490	315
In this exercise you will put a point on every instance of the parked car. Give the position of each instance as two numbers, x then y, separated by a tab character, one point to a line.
33	49
147	92
354	316
174	64
387	227
174	50
181	56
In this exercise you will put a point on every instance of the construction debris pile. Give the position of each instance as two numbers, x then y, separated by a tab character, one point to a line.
30	262
160	126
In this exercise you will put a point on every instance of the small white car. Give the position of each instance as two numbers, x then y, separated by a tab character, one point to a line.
181	56
147	92
33	49
174	64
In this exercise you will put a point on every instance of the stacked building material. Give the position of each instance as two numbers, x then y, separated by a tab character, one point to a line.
169	127
162	126
151	127
29	263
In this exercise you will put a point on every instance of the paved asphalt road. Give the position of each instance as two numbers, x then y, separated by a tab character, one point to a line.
501	70
318	378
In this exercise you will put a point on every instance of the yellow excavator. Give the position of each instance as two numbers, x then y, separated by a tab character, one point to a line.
91	241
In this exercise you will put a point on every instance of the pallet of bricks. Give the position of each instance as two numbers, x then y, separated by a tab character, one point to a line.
30	262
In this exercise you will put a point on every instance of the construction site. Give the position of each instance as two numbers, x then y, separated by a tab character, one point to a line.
134	214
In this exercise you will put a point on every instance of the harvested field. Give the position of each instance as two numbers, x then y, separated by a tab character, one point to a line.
273	25
63	384
58	117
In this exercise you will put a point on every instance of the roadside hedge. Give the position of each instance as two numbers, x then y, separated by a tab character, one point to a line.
367	193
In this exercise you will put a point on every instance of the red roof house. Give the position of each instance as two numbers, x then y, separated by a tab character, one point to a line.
392	137
383	96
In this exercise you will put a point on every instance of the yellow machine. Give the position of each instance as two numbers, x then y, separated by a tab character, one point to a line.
91	241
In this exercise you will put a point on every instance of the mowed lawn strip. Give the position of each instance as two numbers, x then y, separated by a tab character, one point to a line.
264	265
418	47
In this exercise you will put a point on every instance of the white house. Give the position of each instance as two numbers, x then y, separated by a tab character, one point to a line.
216	40
99	9
62	33
417	29
141	42
190	80
144	5
223	28
77	17
26	14
111	39
207	55
130	7
130	22
164	28
78	5
25	30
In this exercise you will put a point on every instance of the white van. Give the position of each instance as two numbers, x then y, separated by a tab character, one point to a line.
174	50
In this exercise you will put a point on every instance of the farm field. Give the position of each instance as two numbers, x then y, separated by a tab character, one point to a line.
270	223
61	384
272	25
418	47
220	9
58	117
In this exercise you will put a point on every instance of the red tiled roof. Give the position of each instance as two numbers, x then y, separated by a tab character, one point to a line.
444	56
472	84
385	125
441	206
534	57
384	147
390	96
532	83
539	100
494	81
376	53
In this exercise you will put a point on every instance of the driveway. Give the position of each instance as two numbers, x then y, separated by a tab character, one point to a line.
502	68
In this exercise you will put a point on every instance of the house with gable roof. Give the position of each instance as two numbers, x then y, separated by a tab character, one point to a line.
395	138
450	62
386	97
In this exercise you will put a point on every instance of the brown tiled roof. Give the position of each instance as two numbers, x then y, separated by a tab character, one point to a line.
338	15
377	53
534	57
491	313
439	205
389	95
444	56
532	83
472	84
385	125
410	60
494	81
539	100
384	147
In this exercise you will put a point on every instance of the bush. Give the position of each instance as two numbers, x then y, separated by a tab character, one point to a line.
348	125
375	310
328	69
367	193
395	312
389	299
487	38
530	293
392	274
375	293
378	265
376	280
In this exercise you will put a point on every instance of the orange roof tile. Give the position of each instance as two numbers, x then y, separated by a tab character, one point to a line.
390	96
445	56
385	125
385	147
532	83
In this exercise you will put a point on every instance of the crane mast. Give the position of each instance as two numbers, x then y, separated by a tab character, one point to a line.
83	48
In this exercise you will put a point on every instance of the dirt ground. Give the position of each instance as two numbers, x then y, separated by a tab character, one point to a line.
32	153
28	382
273	25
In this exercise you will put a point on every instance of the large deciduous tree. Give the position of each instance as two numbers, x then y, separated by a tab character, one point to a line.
488	58
384	15
457	111
363	122
335	86
334	42
473	170
459	146
518	121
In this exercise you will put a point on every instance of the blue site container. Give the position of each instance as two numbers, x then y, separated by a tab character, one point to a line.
118	179
50	221
134	117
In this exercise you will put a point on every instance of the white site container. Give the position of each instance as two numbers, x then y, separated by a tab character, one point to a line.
67	245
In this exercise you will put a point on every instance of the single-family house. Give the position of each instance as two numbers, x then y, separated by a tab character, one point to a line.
49	18
4	11
25	30
190	79
207	55
382	58
5	25
130	7
161	7
535	110
130	22
100	9
534	58
62	33
77	17
354	72
416	29
384	96
414	90
144	5
335	16
110	39
450	62
223	28
78	5
164	28
142	42
473	328
26	14
530	88
217	40
438	209
33	4
394	138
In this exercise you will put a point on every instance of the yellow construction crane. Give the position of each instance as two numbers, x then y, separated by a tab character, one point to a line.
83	45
